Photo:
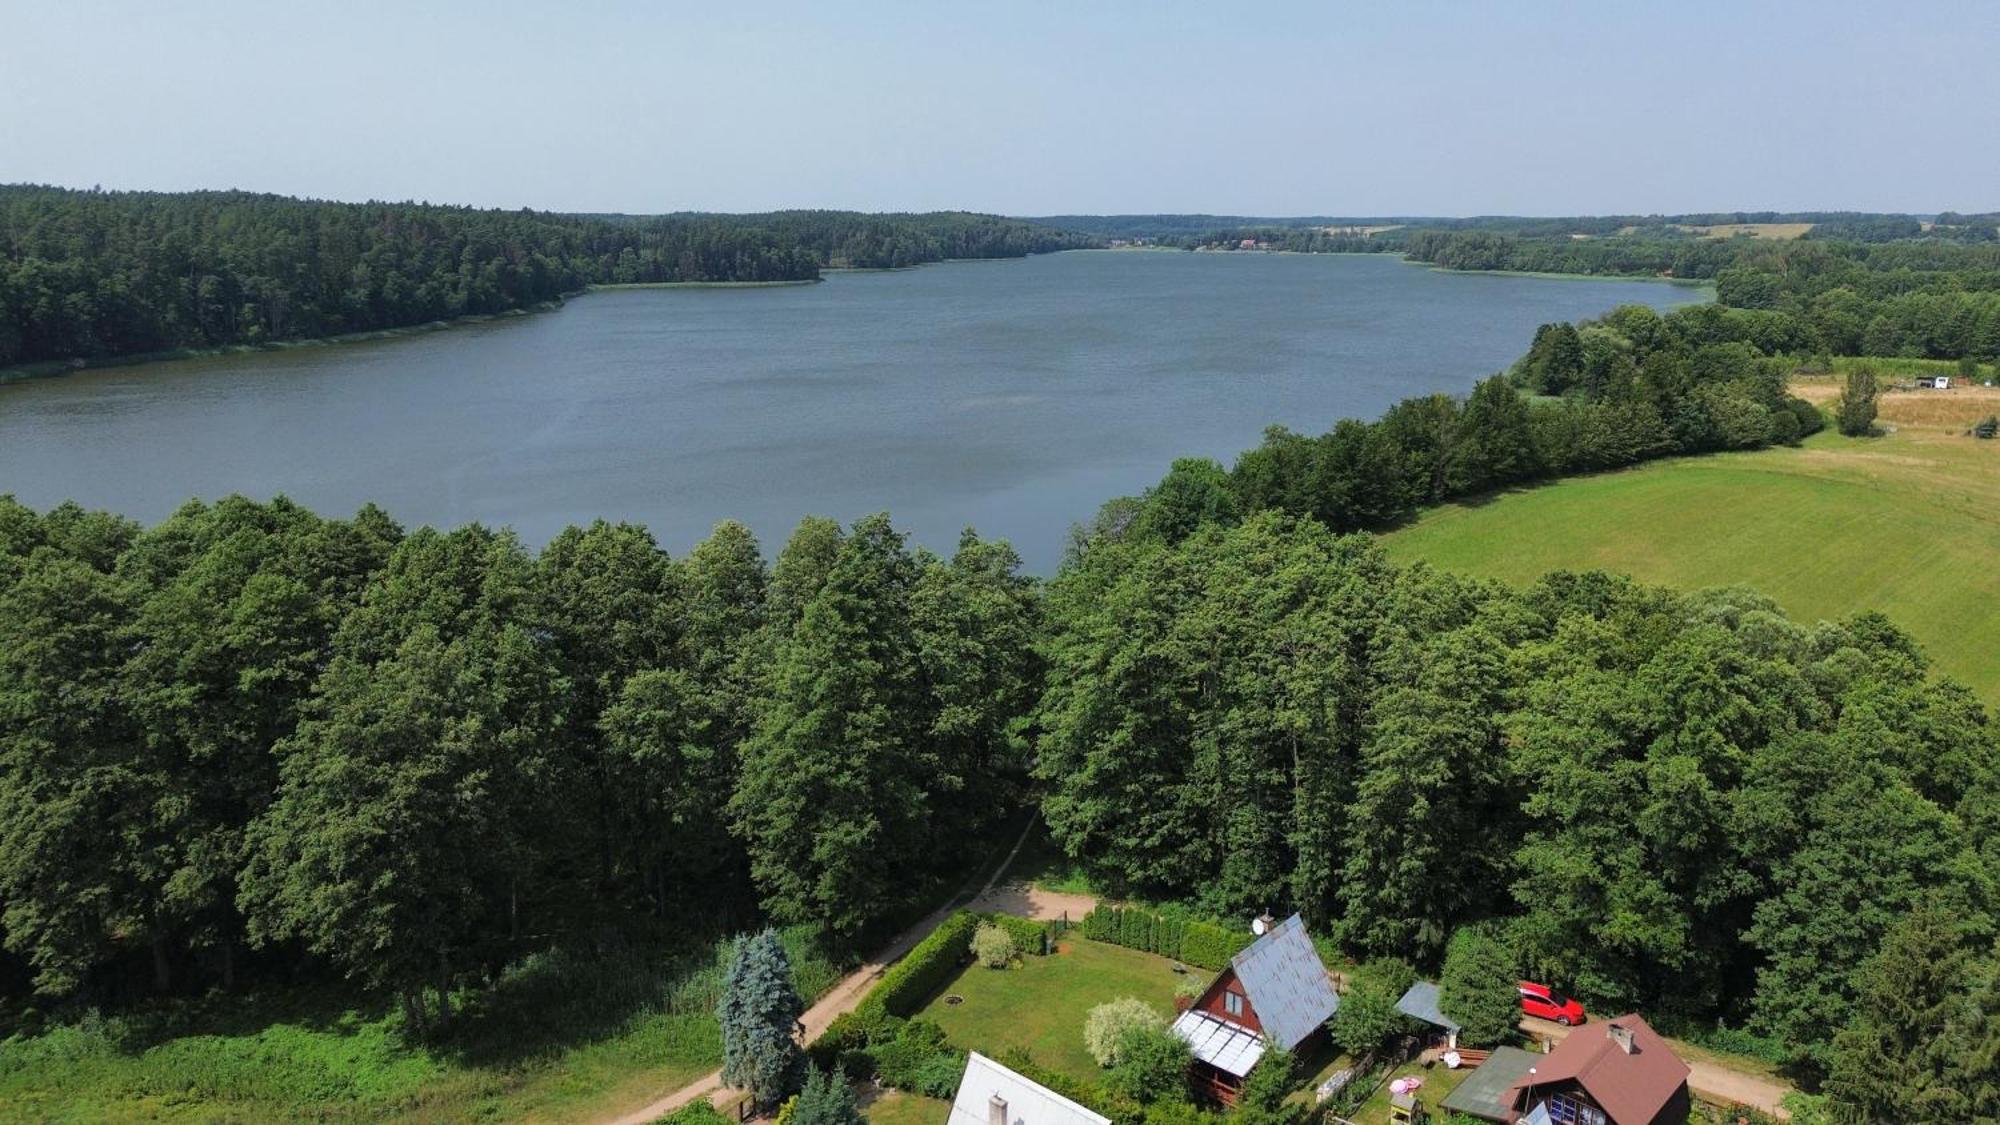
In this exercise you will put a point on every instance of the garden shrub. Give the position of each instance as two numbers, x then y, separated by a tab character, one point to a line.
919	1060
993	946
1028	935
1152	1065
696	1112
1367	1017
853	1032
910	982
938	1076
1104	1030
1190	987
1268	1082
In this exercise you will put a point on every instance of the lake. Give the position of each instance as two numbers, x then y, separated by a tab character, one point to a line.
1012	396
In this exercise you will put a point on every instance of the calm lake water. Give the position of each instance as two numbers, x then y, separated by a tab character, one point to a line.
1011	396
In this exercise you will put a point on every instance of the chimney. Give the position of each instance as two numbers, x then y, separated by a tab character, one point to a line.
1622	1036
996	1110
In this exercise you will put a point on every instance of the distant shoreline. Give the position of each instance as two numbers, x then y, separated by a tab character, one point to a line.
51	368
48	369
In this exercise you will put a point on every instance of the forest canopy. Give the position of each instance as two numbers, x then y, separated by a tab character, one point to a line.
93	274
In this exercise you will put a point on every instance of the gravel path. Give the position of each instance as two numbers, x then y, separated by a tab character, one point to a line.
1010	898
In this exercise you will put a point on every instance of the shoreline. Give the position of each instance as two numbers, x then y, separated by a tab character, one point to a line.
54	368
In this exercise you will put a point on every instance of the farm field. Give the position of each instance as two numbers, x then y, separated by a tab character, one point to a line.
1907	523
1041	1003
1754	230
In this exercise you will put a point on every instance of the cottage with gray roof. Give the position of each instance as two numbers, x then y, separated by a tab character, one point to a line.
1275	992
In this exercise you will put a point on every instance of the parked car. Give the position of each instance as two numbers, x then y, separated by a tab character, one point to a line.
1543	1002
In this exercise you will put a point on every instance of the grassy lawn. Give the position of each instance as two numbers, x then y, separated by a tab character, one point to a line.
1908	524
894	1107
1438	1085
1041	1004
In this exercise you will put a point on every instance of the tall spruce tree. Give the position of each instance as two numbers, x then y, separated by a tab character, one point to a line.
759	1012
1920	1048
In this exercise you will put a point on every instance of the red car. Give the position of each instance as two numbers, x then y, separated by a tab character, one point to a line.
1546	1003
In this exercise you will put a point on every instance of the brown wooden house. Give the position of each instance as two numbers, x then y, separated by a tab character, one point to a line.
1620	1074
1276	992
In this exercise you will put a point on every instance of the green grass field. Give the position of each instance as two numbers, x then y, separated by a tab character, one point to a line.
1042	1002
1908	524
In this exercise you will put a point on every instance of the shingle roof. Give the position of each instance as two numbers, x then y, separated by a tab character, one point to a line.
1028	1103
1632	1087
1286	982
1224	1046
1421	1002
1488	1091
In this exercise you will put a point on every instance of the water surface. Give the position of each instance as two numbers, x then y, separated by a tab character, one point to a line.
1012	396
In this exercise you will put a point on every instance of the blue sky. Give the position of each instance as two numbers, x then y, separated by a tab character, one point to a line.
1024	108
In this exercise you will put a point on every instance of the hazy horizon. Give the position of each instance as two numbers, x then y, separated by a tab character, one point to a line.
1280	109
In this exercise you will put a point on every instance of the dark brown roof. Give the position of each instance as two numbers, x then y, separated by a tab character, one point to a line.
1632	1088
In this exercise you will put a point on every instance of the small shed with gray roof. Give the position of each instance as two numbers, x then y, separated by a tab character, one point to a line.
1421	1003
1276	992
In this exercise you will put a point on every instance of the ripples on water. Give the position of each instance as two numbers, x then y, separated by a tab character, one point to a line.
1011	396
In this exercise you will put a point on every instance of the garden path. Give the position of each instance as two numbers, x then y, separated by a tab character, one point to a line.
1010	898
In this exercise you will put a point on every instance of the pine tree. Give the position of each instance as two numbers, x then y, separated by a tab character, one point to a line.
826	1100
759	1012
1906	1055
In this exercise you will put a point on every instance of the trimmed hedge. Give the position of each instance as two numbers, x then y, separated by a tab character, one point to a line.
1028	935
1201	944
924	969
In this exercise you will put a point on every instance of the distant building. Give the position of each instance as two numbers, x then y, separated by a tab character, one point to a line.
1274	992
991	1094
1247	244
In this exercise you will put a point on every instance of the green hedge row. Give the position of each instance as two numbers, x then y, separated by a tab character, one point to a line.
1201	944
1028	935
909	982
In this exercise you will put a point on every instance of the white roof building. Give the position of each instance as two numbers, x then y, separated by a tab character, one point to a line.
990	1094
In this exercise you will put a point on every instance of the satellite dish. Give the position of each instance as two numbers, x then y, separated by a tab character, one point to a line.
1258	926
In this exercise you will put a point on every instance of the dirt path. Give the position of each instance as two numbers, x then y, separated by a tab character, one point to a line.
1709	1080
1012	898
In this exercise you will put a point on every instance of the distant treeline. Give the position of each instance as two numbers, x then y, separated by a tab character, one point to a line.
93	274
1629	387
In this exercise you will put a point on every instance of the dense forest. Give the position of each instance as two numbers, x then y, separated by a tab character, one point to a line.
397	756
94	274
254	745
257	747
